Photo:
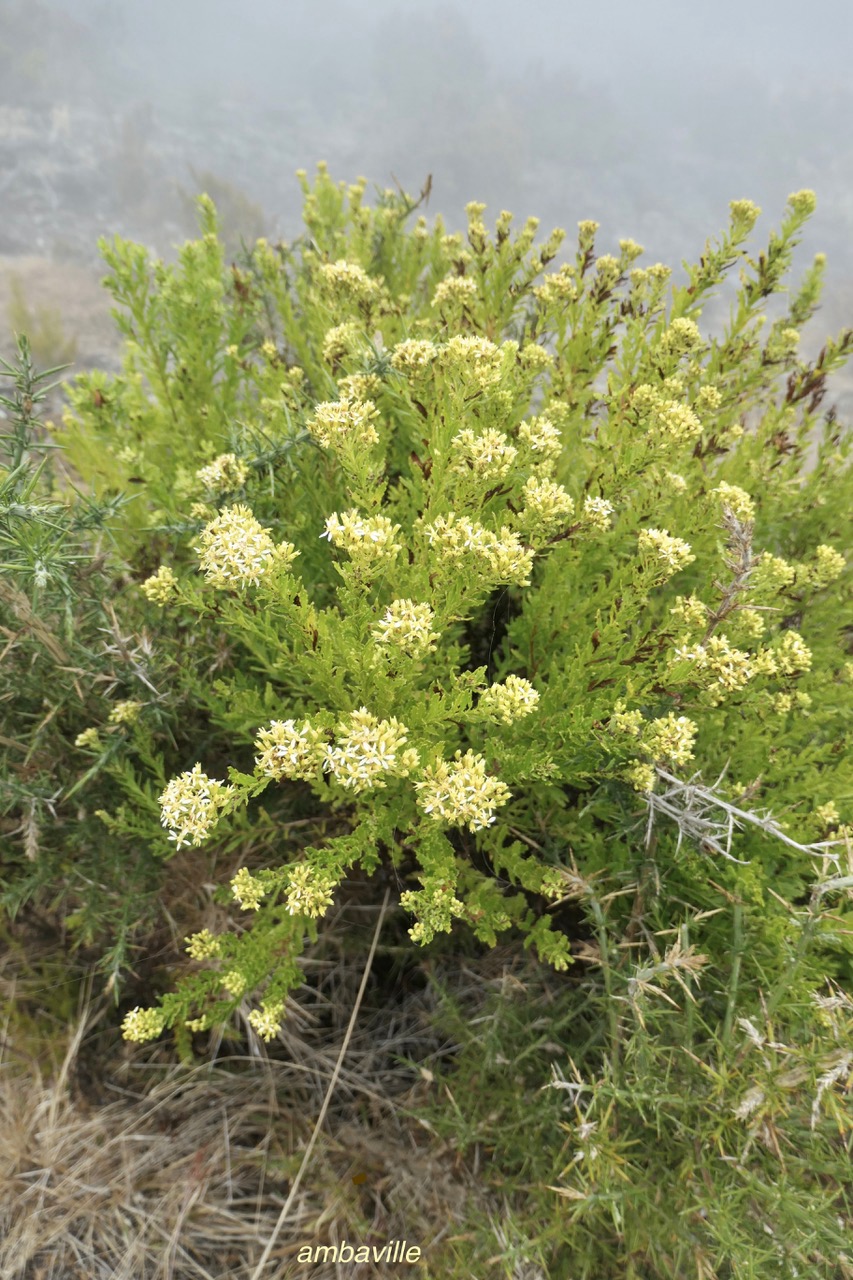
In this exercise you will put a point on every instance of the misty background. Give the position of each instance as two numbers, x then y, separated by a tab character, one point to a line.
646	115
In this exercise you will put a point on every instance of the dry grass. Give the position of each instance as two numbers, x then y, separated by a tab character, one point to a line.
116	1162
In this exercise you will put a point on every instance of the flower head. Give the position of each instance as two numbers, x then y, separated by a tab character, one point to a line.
161	586
190	806
366	539
309	891
224	474
345	421
671	553
461	792
367	749
235	548
289	750
407	626
510	701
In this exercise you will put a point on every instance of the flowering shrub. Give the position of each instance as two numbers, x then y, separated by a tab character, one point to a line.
512	579
489	547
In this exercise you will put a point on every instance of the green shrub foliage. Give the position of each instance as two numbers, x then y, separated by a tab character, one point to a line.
512	578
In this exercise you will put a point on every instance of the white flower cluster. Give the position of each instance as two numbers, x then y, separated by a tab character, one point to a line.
489	454
829	565
368	748
365	539
672	553
597	513
730	667
125	712
407	625
340	341
224	474
510	701
190	806
345	421
460	791
477	357
236	548
290	750
681	336
502	555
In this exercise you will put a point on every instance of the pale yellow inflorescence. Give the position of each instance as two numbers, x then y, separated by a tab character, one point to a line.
348	279
367	749
488	454
406	625
542	439
672	553
829	565
309	892
340	341
413	355
737	501
235	548
143	1024
161	586
247	889
461	792
503	556
642	777
89	738
475	356
691	611
793	654
671	738
547	505
346	421
203	946
597	513
190	806
510	701
290	750
267	1020
454	290
365	539
680	337
125	712
665	420
224	474
727	666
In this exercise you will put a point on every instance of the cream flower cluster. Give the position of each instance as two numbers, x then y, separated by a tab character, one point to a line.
670	738
772	574
510	701
680	337
190	806
368	748
340	341
143	1024
793	654
672	553
161	586
248	890
89	738
348	279
267	1020
542	439
666	421
365	539
125	712
309	891
737	500
340	422
503	556
475	356
489	454
691	611
547	505
642	777
829	565
290	750
236	548
558	286
413	355
622	721
203	946
461	792
454	290
407	625
224	474
727	666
